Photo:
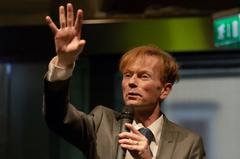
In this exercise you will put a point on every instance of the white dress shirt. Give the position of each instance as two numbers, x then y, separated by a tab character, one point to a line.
56	73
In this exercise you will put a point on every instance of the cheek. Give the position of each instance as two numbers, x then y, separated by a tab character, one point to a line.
153	90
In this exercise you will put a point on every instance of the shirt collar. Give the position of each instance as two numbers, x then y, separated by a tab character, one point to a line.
155	127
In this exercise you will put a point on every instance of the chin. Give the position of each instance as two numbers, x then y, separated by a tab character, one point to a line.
132	104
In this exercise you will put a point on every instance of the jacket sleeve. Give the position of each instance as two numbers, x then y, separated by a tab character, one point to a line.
197	150
64	119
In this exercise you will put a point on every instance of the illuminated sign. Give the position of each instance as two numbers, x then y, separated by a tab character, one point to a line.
227	31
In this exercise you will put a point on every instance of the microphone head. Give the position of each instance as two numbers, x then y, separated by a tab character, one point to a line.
127	113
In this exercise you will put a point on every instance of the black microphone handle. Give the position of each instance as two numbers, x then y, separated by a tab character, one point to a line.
127	117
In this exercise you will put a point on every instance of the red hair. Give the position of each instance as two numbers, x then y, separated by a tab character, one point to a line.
168	70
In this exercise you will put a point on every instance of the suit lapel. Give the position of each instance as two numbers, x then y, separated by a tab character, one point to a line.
115	136
167	141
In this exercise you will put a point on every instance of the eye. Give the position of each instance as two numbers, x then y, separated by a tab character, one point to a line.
127	75
145	76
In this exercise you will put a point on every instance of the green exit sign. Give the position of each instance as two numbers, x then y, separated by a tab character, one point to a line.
227	31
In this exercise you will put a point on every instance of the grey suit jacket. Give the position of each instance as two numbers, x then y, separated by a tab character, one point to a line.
95	134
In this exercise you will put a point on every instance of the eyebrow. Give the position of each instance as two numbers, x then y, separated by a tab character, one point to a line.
138	71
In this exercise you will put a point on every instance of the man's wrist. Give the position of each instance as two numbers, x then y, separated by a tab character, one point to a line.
63	65
58	72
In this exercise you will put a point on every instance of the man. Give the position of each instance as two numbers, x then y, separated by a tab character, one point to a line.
148	77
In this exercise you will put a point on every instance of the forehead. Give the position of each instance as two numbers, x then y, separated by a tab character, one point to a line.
144	62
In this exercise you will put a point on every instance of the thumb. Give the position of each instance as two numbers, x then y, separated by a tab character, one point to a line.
81	45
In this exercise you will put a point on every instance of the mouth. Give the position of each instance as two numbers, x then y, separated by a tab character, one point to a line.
133	95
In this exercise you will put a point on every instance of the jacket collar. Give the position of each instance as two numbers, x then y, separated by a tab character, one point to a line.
167	140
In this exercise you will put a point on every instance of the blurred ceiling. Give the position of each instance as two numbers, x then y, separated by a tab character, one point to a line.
156	8
32	12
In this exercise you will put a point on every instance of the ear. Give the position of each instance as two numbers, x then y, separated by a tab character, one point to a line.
165	91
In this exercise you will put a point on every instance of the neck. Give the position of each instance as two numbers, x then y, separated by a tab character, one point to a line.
147	117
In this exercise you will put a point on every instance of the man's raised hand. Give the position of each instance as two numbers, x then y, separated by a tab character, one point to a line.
68	42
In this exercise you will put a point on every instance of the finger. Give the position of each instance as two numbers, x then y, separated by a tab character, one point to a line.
78	22
81	45
128	141
70	15
51	24
130	147
132	128
62	18
128	135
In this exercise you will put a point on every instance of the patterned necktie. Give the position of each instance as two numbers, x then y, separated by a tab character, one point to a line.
147	133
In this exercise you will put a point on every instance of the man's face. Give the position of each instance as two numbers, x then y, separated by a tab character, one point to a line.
141	85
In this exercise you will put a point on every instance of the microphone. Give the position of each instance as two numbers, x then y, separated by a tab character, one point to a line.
126	117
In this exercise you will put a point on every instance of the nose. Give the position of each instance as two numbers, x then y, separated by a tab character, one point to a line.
132	82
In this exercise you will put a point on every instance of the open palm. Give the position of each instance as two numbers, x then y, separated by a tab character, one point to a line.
68	40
